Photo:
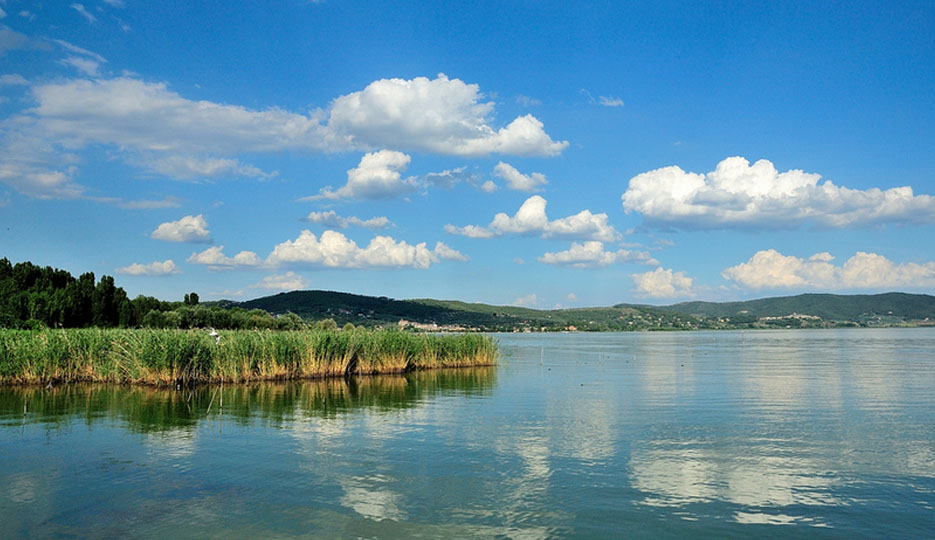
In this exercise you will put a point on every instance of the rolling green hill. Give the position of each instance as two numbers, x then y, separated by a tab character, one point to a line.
369	310
359	309
890	308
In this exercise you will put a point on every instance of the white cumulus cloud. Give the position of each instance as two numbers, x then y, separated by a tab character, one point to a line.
214	259
770	269
334	250
526	301
610	101
591	254
471	231
377	176
332	219
449	254
441	115
148	125
290	281
738	194
155	268
531	219
663	283
187	229
519	181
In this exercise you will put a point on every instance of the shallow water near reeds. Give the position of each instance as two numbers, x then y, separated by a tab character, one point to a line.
822	433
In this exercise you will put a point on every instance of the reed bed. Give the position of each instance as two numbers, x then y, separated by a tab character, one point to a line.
187	357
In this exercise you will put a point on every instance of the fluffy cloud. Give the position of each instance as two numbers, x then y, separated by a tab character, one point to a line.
531	219
334	250
155	268
449	254
663	283
769	269
149	117
377	176
591	254
526	301
37	183
737	194
187	229
471	231
150	126
332	219
32	166
441	115
290	281
519	181
214	259
609	101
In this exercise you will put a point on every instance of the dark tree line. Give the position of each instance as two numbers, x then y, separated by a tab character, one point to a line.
32	296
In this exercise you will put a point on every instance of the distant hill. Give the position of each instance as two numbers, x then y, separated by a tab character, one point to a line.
890	308
359	309
355	308
827	306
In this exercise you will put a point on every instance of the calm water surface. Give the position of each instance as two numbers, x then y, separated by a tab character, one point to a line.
661	435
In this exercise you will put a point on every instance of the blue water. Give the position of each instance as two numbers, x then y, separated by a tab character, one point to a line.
818	433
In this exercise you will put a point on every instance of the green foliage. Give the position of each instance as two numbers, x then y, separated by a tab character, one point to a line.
168	357
32	296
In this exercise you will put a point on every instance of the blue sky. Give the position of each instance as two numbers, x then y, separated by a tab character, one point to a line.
532	153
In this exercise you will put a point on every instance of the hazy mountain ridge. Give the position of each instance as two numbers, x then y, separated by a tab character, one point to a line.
827	306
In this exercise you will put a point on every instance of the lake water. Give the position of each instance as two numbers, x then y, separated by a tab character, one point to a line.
820	433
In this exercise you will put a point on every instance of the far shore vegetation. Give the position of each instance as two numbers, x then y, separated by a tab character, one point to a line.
34	297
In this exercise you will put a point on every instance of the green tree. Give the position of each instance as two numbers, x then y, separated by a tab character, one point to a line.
103	307
326	324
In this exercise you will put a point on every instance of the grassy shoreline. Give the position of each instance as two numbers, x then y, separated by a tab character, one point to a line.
188	357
